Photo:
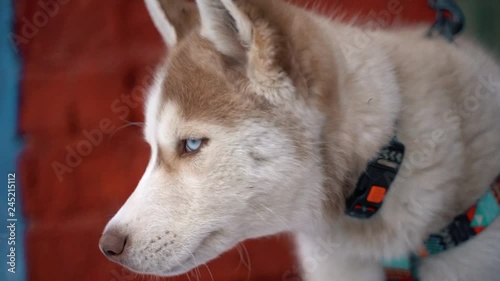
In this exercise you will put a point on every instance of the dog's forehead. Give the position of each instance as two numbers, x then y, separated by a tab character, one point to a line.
198	88
203	88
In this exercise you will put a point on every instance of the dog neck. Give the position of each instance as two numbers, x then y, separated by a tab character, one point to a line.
362	112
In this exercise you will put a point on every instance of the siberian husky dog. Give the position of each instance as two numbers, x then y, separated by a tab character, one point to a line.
263	116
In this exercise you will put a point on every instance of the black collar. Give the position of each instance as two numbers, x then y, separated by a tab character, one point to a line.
375	181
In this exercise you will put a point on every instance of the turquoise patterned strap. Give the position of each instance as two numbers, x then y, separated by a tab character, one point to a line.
462	229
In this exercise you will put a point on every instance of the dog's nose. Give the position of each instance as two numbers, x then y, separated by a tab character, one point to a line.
112	243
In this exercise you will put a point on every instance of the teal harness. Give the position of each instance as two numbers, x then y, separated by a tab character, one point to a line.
463	228
370	193
374	183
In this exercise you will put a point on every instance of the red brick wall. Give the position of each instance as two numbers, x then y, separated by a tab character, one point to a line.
80	60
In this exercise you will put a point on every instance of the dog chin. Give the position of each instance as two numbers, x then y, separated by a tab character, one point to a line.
181	268
176	271
185	266
200	256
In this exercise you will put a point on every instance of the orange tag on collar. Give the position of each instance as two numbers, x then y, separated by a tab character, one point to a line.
376	194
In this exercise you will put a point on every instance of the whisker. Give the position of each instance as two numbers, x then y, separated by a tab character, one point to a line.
241	257
197	270
249	264
209	271
137	124
198	273
178	260
256	212
276	215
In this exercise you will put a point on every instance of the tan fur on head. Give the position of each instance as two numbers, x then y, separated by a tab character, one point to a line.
288	114
198	68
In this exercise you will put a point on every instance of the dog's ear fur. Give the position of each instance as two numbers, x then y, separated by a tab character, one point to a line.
226	26
174	19
245	32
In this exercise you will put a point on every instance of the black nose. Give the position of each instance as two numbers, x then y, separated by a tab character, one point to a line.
112	243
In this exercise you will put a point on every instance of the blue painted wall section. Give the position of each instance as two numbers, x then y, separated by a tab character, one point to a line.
11	223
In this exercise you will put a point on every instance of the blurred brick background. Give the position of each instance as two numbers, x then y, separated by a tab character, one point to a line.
82	60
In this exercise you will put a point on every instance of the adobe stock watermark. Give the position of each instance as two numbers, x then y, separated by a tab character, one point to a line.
487	87
122	106
375	21
29	28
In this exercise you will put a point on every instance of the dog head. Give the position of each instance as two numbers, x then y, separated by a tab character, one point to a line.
234	131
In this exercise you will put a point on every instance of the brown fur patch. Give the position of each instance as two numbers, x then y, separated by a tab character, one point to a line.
205	86
210	87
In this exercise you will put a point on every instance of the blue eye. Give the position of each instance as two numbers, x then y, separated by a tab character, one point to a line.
193	145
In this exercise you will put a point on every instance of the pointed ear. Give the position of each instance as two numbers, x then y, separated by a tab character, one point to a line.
243	31
226	26
173	18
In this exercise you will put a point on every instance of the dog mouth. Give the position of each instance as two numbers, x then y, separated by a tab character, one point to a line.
193	260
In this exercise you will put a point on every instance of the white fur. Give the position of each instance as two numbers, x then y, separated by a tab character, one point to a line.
152	106
267	175
217	18
161	22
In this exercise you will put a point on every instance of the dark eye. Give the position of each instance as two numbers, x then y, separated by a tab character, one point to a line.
192	145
